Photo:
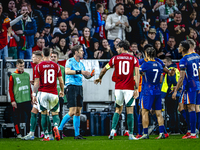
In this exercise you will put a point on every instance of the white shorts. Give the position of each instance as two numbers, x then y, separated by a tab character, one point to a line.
37	106
48	101
127	95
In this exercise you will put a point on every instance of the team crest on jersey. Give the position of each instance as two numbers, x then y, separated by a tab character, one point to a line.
18	80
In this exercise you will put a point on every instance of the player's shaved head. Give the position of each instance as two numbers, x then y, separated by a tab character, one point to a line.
46	52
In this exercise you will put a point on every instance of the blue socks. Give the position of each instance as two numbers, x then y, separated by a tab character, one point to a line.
193	121
188	119
198	120
76	123
161	129
183	113
140	128
165	131
64	120
145	130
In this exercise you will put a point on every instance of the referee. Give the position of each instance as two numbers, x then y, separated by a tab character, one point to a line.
75	70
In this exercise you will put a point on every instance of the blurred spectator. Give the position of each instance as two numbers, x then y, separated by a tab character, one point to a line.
62	31
87	17
12	45
170	50
62	49
97	52
159	51
117	24
136	35
114	46
35	14
129	6
100	29
2	17
162	33
93	48
186	9
25	29
47	35
74	40
134	49
141	48
196	38
3	32
49	20
105	47
44	6
86	38
151	7
65	17
167	11
177	28
151	36
40	45
193	20
12	10
112	5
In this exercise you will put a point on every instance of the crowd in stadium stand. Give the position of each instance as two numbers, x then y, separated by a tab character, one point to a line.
98	25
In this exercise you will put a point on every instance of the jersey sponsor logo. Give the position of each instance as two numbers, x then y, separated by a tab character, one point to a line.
18	80
23	87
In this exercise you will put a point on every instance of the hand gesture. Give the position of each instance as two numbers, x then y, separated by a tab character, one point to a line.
171	15
172	72
195	5
117	23
19	32
126	24
55	5
97	81
182	29
61	94
77	13
86	18
143	11
168	54
14	104
174	95
135	94
85	73
71	25
50	4
156	6
34	99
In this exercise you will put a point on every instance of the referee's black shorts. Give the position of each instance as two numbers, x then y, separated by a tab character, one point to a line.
74	96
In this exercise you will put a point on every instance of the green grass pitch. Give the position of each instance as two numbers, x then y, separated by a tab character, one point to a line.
174	142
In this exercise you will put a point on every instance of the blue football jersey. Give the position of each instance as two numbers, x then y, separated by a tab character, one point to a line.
141	61
190	63
151	80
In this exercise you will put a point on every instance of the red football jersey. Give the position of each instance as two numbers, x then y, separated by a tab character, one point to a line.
124	70
48	72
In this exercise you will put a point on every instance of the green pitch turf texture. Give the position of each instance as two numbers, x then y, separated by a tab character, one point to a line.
174	142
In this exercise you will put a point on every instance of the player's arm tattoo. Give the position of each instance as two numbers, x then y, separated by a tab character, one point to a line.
103	71
36	85
180	80
137	77
61	83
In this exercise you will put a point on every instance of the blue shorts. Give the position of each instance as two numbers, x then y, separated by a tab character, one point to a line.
140	99
151	102
182	97
191	97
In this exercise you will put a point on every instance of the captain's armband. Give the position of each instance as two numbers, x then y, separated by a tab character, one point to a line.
107	66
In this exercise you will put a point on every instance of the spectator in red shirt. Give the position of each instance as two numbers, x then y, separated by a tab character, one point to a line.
3	33
85	39
40	45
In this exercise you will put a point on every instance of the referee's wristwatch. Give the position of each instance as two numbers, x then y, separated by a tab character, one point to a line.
33	94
